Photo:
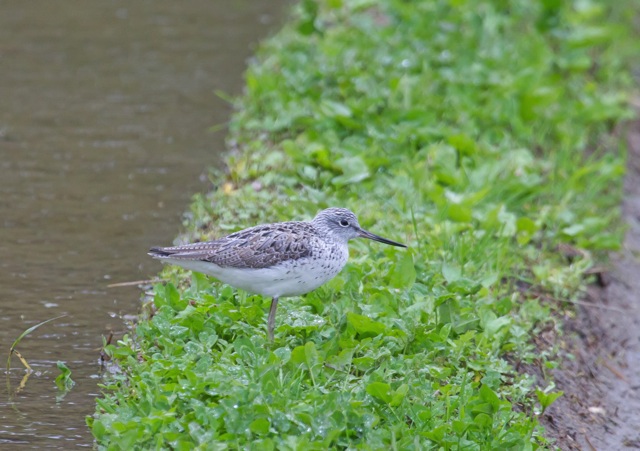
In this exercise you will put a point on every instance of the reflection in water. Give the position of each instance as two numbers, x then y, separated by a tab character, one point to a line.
103	138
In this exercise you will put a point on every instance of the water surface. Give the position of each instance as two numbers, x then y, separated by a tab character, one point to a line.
104	115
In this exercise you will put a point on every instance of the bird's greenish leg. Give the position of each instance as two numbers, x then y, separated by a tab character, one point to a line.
272	317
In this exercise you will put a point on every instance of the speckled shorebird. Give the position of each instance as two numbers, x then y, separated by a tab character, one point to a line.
276	260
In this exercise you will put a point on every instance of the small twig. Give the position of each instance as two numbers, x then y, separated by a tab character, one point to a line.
23	382
133	283
588	304
23	360
583	303
611	368
596	270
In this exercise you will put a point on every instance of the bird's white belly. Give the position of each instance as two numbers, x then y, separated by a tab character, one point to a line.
291	278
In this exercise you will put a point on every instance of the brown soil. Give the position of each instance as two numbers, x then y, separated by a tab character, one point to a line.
601	406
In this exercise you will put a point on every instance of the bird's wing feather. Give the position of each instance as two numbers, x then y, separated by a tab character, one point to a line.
256	247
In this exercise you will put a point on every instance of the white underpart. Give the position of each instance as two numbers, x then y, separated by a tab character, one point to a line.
290	278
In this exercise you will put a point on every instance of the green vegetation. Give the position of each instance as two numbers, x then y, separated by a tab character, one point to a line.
480	134
17	341
63	381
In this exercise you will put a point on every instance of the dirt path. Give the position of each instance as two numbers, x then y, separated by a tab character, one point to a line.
601	407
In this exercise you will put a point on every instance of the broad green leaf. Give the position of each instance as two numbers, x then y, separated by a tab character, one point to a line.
260	426
298	355
341	360
380	391
398	395
403	274
459	213
490	396
364	325
451	272
354	170
310	354
546	399
483	420
463	143
334	109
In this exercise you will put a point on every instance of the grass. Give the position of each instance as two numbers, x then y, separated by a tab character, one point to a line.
482	135
17	341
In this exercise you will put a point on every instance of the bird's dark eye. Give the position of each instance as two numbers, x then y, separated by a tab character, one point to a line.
344	223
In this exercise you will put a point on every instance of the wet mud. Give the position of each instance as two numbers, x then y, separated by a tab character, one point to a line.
600	374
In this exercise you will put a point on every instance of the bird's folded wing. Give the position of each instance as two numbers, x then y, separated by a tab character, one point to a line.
257	247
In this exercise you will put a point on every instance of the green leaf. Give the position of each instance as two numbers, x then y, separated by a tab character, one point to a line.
399	395
437	433
546	399
459	213
526	229
63	381
488	395
260	426
403	274
574	230
365	326
24	334
451	272
298	355
335	109
463	144
169	295
363	363
353	169
380	391
343	359
310	354
199	282
483	420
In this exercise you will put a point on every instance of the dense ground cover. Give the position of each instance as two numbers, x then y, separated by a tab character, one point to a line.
479	133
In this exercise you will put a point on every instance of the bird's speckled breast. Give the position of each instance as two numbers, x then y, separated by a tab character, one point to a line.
287	278
294	277
306	274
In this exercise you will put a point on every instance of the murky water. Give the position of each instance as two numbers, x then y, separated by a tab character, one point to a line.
104	112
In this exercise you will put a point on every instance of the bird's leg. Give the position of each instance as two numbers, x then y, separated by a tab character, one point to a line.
272	317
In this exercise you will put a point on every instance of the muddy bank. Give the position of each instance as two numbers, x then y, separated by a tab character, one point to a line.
601	406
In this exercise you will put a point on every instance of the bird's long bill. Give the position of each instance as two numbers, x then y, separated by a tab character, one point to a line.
364	234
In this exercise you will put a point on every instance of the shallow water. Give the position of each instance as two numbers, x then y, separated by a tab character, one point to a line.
104	118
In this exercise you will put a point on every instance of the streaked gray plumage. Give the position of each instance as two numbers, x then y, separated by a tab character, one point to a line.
277	260
257	247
